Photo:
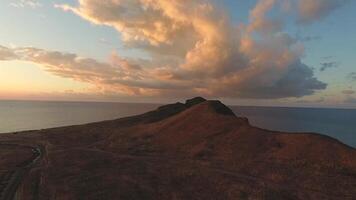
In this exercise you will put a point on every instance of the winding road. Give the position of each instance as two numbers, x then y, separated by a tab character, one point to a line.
12	179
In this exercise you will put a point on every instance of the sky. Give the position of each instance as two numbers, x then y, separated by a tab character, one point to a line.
258	52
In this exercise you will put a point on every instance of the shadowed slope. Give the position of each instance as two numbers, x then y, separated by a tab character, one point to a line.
196	150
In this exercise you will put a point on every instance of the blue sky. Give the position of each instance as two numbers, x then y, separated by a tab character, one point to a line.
328	40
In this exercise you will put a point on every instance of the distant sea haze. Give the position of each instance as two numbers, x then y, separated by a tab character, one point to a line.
33	115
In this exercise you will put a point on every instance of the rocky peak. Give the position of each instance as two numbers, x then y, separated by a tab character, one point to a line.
194	101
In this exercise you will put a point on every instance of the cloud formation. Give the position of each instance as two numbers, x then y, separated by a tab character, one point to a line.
328	65
26	3
117	75
348	92
350	100
310	38
311	11
352	76
194	49
6	53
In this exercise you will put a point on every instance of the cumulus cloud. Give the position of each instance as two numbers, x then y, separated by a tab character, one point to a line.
194	49
128	77
259	21
305	11
310	11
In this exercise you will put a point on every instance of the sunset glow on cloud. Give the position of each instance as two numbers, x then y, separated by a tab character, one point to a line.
192	48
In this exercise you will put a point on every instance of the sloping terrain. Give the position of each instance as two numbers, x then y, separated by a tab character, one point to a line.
196	150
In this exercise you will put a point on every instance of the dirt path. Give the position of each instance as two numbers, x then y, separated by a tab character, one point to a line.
13	178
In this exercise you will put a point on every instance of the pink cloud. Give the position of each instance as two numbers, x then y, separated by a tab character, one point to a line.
310	11
194	49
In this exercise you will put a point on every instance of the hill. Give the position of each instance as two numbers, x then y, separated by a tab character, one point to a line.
194	150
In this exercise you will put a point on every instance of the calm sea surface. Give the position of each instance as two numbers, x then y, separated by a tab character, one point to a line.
33	115
337	123
30	115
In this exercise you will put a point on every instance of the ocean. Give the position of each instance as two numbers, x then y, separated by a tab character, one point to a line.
33	115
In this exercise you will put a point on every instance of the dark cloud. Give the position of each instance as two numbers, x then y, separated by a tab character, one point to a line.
319	100
327	57
351	76
350	100
310	38
328	65
299	81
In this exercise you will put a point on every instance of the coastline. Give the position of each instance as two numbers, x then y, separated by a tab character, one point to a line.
185	143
